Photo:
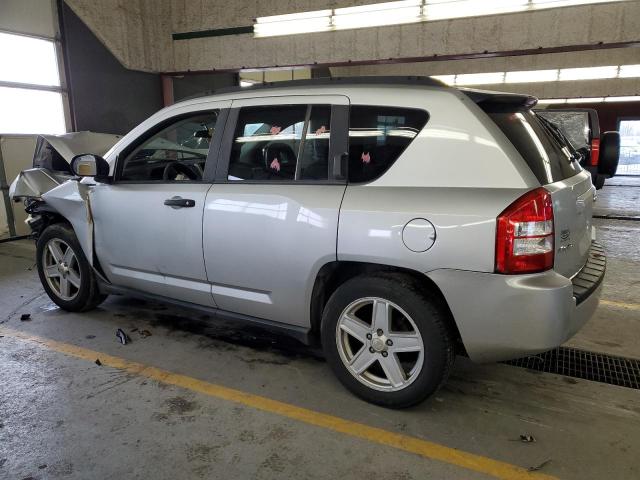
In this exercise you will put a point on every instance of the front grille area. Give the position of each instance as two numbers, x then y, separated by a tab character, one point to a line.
597	367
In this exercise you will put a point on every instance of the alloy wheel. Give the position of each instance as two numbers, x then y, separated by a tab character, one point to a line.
379	344
61	269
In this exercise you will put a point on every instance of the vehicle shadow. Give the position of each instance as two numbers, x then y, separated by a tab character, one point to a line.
174	319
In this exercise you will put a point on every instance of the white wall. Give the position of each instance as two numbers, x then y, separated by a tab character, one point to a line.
17	154
31	17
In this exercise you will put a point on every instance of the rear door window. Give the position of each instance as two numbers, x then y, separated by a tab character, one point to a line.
281	143
549	160
378	136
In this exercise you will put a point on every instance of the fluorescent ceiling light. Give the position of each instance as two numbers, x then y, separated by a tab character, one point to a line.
588	73
631	98
446	79
552	100
585	100
294	16
539	4
374	7
445	9
628	71
373	16
480	78
398	12
531	76
291	27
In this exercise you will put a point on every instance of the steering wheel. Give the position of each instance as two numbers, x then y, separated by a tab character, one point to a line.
171	170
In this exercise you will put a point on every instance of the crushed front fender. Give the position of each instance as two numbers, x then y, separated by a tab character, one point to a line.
72	200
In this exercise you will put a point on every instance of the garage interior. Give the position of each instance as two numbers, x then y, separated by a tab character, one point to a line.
191	396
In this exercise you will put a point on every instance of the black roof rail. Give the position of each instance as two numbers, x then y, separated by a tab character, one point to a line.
330	82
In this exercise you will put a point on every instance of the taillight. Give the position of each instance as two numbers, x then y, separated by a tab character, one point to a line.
524	234
595	151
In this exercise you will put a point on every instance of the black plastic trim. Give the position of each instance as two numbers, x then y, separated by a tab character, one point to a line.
587	280
216	32
301	334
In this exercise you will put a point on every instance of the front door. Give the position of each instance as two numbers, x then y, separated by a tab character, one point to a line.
271	218
148	223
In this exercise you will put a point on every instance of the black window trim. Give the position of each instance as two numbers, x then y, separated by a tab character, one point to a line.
339	121
210	162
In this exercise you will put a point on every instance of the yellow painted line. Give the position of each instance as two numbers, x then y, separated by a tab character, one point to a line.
629	306
424	448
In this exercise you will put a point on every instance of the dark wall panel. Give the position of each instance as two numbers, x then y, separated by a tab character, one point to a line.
186	86
105	96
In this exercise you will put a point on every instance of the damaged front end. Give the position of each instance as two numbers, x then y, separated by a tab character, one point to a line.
51	193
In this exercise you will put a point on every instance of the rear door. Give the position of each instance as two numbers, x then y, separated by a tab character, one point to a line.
271	218
570	186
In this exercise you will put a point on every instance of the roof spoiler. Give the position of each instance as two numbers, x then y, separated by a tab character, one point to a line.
499	101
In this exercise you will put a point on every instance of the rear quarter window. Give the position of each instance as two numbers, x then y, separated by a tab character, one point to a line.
549	161
378	136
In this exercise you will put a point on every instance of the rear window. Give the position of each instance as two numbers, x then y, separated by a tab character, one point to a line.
575	125
378	136
548	158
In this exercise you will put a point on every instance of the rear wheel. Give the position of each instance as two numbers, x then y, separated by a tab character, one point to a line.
65	272
386	340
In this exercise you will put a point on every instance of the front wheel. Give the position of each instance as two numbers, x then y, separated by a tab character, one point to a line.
386	340
64	271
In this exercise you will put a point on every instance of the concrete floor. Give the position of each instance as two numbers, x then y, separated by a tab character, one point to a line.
65	417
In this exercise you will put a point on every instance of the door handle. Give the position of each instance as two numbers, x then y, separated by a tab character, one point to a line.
179	202
339	162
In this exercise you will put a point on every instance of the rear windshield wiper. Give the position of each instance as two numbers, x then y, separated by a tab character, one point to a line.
560	138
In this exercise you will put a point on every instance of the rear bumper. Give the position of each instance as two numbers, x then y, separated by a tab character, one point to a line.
501	317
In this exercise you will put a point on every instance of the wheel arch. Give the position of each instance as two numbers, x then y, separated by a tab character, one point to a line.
333	274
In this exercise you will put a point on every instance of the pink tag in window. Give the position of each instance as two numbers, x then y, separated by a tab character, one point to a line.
275	165
366	158
275	130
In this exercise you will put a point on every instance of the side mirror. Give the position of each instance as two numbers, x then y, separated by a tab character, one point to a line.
89	165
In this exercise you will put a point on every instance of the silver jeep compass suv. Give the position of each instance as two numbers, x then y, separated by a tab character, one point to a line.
396	220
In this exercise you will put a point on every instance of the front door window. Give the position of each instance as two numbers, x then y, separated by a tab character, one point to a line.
177	153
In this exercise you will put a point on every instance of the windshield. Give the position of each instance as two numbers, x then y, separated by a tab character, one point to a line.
541	144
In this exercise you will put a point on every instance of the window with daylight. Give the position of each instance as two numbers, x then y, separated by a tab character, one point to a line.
30	90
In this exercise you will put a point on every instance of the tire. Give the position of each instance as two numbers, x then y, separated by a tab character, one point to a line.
64	271
609	154
418	322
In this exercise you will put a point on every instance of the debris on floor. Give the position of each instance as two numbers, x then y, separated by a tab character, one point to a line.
98	362
527	438
25	317
90	337
535	468
144	333
123	337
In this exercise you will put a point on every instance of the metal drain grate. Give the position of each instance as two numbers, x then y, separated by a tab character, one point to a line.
598	367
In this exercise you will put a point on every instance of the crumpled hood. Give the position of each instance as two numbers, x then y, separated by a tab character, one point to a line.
52	159
54	152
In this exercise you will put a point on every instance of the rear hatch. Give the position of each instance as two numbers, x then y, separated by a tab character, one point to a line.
556	165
